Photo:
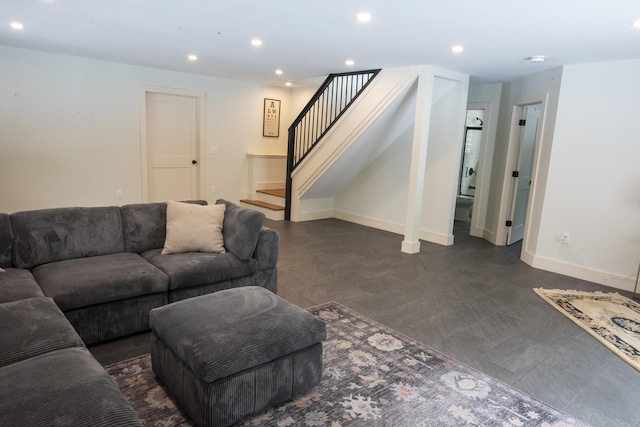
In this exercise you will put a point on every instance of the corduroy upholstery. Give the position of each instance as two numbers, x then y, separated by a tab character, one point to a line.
266	253
82	282
200	268
51	235
116	319
62	388
74	259
102	268
17	284
234	353
196	291
47	376
6	241
31	327
241	229
144	225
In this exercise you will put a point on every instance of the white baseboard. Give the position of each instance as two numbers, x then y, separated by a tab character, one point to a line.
527	257
370	222
392	227
410	247
491	237
441	239
312	216
584	273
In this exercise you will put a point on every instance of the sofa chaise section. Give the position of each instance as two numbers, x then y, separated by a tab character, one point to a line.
31	327
48	377
62	388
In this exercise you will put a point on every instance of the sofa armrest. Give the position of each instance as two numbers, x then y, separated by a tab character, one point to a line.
267	249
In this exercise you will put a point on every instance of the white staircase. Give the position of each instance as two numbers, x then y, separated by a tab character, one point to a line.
423	108
269	202
364	131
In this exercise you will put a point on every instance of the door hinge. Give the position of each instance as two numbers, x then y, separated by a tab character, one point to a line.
509	223
515	174
522	122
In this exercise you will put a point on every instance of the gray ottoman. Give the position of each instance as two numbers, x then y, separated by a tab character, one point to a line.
234	353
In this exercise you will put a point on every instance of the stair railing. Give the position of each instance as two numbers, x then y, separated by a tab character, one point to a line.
324	109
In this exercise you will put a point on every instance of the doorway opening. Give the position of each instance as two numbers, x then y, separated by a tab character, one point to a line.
468	175
528	124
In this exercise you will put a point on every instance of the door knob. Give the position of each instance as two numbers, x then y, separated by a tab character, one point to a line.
193	162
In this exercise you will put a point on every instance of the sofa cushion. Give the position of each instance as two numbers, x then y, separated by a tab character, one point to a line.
51	235
6	241
62	388
199	268
144	225
83	282
241	229
17	284
193	228
31	327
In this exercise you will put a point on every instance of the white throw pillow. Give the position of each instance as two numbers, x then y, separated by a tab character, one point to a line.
194	228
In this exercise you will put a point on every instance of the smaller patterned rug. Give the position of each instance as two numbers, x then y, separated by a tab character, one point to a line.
612	319
373	376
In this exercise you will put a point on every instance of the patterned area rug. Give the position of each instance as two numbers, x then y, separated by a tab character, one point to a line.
611	318
373	376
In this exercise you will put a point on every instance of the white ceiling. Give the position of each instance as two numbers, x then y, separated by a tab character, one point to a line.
307	39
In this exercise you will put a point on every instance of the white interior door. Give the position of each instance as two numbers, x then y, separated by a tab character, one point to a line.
172	147
528	133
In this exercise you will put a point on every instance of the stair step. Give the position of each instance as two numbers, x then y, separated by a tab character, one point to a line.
263	204
271	211
279	192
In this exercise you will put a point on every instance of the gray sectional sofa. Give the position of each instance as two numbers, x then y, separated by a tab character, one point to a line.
77	276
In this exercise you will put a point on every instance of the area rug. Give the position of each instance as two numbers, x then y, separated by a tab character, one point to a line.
612	319
373	376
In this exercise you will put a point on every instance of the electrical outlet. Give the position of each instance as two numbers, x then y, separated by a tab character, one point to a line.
565	238
118	193
214	150
213	188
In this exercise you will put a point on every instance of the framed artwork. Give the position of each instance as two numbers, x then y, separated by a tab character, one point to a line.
271	119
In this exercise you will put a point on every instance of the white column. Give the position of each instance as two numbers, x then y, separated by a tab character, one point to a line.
411	242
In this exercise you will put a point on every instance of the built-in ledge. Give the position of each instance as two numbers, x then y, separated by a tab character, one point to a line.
266	171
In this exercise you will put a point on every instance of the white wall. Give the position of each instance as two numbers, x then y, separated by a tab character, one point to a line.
70	133
593	186
377	197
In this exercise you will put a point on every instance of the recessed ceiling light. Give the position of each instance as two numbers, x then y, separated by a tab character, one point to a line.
17	26
256	42
457	48
538	58
287	84
636	24
349	62
364	17
192	57
279	72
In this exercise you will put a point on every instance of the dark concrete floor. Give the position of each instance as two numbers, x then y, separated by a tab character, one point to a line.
472	301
